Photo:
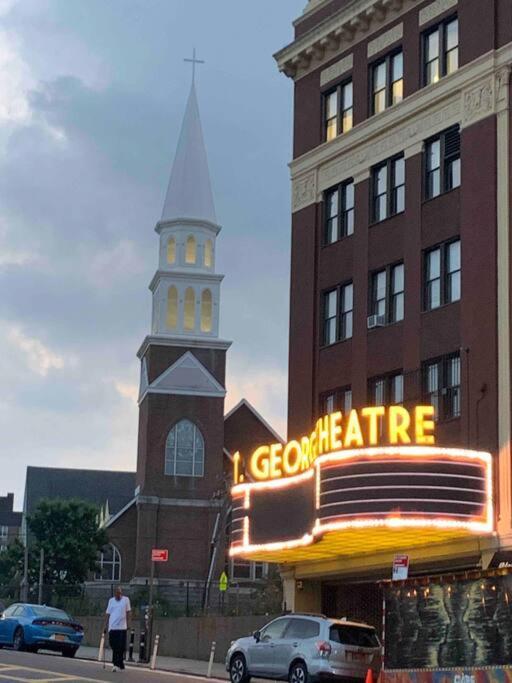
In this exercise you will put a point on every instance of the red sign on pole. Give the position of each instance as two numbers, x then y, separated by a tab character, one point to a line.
400	567
159	555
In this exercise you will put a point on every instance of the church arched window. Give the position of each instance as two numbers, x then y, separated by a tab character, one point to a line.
108	564
208	254
206	310
190	250
172	308
171	250
184	450
190	310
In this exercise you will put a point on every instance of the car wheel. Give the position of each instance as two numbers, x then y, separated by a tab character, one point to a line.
298	673
68	653
18	642
238	670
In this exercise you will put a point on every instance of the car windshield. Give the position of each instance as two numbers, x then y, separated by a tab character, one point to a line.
50	613
359	636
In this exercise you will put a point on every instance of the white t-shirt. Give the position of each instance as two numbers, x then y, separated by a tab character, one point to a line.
117	611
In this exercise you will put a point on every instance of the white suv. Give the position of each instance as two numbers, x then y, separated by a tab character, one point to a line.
302	648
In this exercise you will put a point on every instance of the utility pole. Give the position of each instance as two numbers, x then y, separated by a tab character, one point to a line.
41	574
24	581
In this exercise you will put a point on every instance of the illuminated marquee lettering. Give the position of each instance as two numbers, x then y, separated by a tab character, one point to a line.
335	432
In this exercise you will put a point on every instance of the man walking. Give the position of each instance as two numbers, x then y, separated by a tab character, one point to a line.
118	621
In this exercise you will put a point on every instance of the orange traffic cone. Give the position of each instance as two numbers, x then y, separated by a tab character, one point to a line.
369	676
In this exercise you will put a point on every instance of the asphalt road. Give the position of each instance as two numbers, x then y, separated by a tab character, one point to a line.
23	667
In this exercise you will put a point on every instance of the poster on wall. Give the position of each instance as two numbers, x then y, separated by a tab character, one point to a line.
449	623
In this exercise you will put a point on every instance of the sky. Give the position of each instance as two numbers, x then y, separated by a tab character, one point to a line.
92	94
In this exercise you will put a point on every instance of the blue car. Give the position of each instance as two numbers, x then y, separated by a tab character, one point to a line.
37	627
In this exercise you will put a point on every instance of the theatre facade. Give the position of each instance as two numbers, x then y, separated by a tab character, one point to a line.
399	421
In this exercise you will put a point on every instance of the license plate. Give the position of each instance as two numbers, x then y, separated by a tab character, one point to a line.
358	656
59	636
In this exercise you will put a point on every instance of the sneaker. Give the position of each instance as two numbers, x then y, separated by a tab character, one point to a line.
114	668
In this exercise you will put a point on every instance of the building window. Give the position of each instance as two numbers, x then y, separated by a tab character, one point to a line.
171	250
388	188
387	289
386	390
184	451
338	314
442	163
206	311
172	307
4	537
208	254
337	399
441	386
339	212
440	51
244	570
190	310
442	275
387	82
338	108
108	565
190	250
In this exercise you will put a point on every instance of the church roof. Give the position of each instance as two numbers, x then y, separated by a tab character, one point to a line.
189	194
94	486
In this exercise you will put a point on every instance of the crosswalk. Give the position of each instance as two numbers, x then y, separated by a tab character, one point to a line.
11	673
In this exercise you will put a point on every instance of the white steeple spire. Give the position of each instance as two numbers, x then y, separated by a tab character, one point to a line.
185	287
189	194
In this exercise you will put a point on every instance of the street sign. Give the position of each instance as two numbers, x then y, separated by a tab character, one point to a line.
400	567
159	555
223	582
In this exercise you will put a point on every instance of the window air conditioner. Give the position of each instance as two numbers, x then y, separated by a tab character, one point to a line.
376	321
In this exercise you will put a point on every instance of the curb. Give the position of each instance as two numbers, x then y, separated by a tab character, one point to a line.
136	665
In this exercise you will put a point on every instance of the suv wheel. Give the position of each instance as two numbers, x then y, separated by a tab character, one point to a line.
298	673
238	670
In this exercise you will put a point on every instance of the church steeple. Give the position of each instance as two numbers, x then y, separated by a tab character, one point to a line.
186	289
189	194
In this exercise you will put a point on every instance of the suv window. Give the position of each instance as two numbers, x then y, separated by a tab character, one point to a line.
302	628
274	630
353	635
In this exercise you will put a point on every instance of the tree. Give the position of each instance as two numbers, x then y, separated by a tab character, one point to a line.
68	532
11	563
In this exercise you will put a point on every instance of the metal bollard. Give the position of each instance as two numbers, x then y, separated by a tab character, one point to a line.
130	649
101	651
142	647
155	652
210	663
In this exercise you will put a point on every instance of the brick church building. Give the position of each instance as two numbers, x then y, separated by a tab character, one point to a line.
177	499
186	442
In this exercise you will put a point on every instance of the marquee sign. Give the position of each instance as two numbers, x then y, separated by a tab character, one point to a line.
337	491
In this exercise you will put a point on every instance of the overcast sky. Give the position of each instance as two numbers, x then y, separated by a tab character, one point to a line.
92	93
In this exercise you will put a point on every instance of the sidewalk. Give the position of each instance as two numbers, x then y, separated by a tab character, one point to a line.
174	664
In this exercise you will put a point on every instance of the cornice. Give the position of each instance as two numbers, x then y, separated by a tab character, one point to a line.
186	275
338	33
188	222
473	92
183	342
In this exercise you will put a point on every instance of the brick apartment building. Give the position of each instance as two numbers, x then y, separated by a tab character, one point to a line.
400	264
10	521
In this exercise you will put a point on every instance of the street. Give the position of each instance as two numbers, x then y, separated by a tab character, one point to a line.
23	667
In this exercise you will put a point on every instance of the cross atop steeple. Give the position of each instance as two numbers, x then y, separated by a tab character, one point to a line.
194	61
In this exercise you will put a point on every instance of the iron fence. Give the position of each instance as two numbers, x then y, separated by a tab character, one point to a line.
179	598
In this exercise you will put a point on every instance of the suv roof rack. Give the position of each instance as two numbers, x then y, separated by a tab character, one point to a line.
307	614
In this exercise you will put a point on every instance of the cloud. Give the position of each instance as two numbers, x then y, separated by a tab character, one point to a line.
39	358
15	79
264	386
91	100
